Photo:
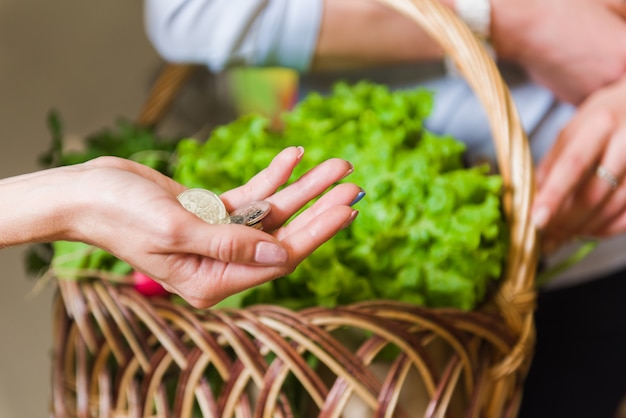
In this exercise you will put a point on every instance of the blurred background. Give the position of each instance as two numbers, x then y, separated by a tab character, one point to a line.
92	62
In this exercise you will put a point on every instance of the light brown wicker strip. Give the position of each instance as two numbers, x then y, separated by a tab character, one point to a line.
241	342
163	92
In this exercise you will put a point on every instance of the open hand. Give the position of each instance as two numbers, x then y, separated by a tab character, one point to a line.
580	182
131	211
205	263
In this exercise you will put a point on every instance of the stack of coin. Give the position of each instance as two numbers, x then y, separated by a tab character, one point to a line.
207	206
251	214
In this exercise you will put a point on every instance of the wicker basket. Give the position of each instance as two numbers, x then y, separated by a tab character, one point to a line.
119	354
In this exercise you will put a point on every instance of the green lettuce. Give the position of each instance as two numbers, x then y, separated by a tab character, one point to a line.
430	230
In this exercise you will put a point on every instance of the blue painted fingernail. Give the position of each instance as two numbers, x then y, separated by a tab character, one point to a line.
358	198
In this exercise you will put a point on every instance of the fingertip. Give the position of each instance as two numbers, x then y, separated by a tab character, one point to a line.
541	216
300	149
350	169
360	195
292	154
350	219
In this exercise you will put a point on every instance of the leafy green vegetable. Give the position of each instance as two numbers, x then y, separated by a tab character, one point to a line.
430	230
75	260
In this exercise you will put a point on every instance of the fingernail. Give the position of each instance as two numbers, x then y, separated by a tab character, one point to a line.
541	217
270	253
351	219
300	152
350	169
358	198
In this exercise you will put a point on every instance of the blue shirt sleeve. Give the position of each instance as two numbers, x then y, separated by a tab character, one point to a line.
227	33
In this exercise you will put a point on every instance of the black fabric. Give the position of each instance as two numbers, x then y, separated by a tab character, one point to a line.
579	367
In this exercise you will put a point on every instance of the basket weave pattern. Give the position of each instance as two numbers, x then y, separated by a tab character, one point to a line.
119	354
119	358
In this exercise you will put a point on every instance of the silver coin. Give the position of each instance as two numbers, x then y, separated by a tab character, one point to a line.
205	204
252	213
258	225
237	219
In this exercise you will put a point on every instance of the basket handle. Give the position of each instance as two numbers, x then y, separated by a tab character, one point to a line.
163	92
516	296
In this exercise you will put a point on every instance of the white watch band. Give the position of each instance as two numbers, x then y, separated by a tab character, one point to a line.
476	14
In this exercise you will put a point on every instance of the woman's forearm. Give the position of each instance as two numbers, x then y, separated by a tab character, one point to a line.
361	33
35	207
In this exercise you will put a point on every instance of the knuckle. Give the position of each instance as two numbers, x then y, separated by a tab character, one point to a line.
224	247
167	232
228	250
105	161
603	118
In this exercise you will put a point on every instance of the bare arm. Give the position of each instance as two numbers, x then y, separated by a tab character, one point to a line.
573	47
362	33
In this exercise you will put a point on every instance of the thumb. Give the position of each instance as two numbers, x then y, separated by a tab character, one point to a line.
237	244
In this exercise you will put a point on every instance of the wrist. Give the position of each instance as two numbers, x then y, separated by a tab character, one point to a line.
390	39
477	16
35	208
511	21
